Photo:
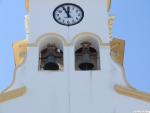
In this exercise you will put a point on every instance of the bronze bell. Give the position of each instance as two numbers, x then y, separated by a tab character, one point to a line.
50	63
86	63
50	58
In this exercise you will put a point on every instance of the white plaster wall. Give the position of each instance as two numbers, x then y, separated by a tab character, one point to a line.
95	20
70	91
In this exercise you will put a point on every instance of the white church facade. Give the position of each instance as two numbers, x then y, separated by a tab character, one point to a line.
69	62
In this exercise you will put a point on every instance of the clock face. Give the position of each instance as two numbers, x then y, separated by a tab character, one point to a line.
68	14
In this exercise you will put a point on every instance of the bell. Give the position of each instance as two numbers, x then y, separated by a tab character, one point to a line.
86	63
50	63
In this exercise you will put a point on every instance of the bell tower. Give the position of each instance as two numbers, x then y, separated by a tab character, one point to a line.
69	62
69	18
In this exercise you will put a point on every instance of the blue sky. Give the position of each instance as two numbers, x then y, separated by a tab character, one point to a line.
131	24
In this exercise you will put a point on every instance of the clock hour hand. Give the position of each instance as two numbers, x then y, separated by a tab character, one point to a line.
67	11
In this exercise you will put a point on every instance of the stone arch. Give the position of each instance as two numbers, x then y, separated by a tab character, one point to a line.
47	42
94	43
45	38
87	36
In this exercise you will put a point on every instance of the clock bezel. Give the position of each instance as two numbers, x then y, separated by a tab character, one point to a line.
72	5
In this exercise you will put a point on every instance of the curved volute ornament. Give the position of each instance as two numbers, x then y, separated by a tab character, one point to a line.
117	50
108	5
27	5
20	50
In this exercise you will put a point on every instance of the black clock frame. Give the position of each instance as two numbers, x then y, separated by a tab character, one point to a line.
72	5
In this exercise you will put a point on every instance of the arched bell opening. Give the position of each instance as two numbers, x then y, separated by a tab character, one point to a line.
51	55
87	55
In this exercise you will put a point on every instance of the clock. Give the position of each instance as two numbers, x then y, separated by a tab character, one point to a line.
68	14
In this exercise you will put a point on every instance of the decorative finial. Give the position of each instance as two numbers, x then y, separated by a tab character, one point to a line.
27	5
108	5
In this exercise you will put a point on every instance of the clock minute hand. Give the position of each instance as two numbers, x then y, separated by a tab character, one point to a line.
67	11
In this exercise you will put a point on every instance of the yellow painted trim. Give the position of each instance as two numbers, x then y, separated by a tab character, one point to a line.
118	60
13	80
12	94
20	50
117	50
27	5
17	60
108	5
132	93
124	76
